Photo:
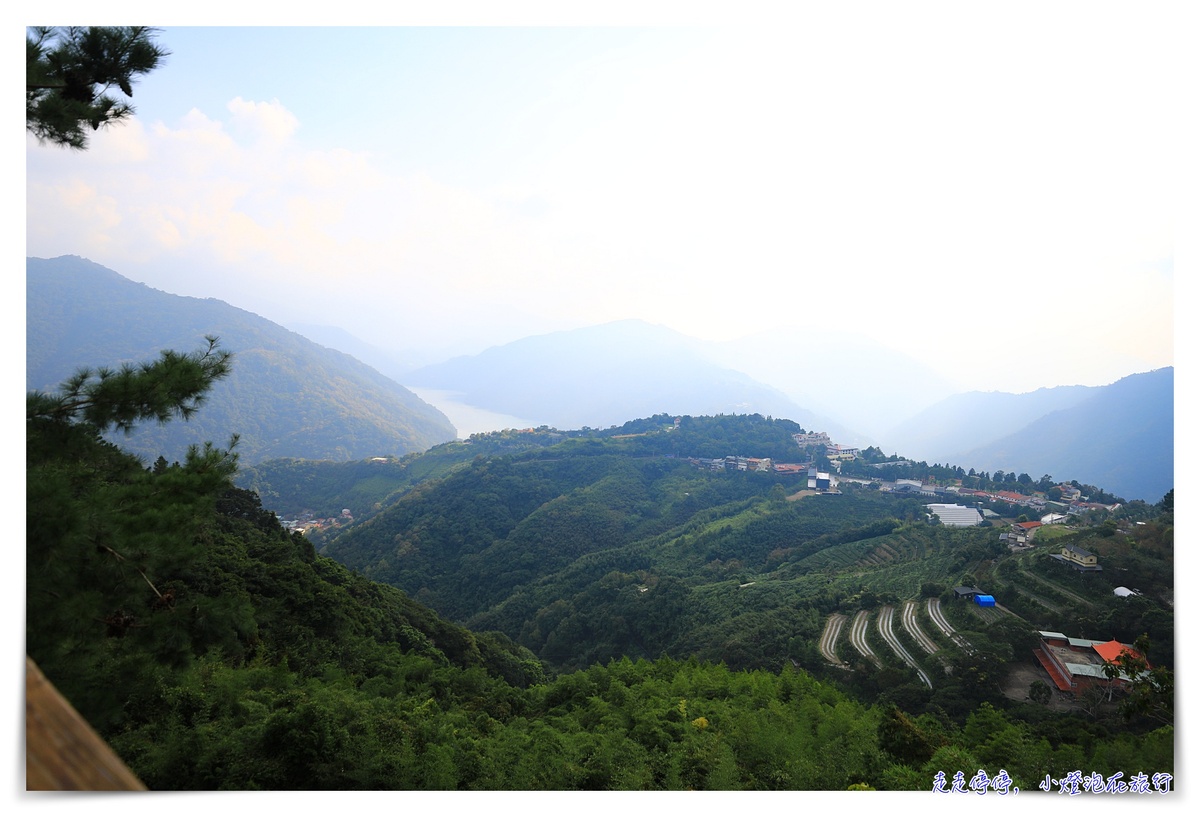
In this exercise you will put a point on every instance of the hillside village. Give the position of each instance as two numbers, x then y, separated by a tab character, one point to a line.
1039	600
1070	500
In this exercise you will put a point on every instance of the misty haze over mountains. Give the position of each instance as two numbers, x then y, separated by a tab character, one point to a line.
1119	437
604	375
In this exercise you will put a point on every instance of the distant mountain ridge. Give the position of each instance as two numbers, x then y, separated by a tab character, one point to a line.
286	396
1119	437
963	422
290	397
839	375
604	375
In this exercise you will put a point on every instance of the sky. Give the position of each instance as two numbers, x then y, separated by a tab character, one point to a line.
992	184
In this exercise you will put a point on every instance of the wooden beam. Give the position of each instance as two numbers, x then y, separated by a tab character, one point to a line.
62	751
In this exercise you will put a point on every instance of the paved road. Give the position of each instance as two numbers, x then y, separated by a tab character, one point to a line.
858	636
884	623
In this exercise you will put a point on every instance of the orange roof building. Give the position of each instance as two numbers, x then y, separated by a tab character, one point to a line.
1077	663
1110	650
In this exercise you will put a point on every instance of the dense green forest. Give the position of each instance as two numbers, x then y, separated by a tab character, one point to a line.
635	622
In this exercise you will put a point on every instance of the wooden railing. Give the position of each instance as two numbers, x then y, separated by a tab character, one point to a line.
62	750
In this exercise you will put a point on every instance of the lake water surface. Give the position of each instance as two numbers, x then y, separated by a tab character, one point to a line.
469	419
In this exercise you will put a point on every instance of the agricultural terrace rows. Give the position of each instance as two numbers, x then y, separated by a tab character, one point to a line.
836	623
884	622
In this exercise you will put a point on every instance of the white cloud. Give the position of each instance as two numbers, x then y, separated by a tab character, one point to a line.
268	123
892	181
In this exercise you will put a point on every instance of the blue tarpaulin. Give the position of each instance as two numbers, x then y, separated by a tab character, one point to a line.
985	601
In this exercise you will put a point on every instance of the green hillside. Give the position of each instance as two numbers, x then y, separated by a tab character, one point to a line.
286	396
634	622
588	550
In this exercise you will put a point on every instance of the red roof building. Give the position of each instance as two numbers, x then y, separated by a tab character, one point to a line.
1110	650
1077	663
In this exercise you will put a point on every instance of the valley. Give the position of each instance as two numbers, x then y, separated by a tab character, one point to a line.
641	405
631	545
669	576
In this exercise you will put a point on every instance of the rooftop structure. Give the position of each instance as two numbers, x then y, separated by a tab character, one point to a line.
1078	558
1076	663
956	516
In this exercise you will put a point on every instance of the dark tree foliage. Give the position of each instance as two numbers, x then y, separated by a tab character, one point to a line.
105	537
173	386
72	72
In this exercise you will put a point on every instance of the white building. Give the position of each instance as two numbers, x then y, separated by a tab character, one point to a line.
956	516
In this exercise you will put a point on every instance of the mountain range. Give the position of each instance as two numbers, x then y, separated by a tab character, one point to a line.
604	375
286	396
1122	437
1118	437
291	395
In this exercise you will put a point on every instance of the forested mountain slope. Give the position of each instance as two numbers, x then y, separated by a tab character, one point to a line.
615	544
213	650
286	397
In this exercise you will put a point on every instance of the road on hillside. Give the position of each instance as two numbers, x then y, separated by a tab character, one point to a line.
909	617
829	638
933	607
884	623
858	636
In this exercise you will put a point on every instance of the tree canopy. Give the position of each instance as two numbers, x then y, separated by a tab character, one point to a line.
173	386
72	72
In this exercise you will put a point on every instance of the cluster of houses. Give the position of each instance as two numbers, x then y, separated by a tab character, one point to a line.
1021	534
817	480
306	521
735	463
832	450
1071	503
1073	664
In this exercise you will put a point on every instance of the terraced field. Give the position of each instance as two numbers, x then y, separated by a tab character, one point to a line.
914	628
933	607
1056	588
884	623
887	627
858	637
829	638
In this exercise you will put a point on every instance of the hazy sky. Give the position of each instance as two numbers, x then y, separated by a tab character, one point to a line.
985	185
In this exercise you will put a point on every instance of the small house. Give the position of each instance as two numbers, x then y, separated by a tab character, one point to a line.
1078	558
